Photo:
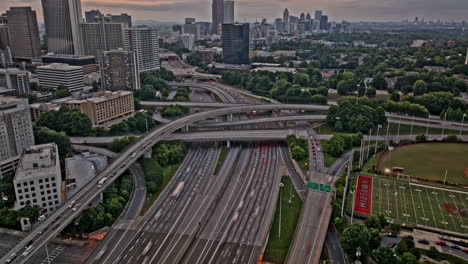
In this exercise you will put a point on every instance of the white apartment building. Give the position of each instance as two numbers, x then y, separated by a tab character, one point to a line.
38	178
144	42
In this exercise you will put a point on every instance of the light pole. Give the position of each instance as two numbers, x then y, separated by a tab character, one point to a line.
461	126
280	201
398	132
427	128
412	124
376	138
386	136
368	147
358	254
443	126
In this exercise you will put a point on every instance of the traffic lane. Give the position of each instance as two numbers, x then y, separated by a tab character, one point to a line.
334	246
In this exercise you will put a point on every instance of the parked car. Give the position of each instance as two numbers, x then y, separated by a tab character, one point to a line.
465	250
441	243
423	241
392	235
455	246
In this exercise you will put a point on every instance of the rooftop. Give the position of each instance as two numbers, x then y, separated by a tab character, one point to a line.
60	66
12	71
67	56
36	161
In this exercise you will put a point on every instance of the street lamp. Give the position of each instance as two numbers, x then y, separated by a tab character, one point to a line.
358	254
461	126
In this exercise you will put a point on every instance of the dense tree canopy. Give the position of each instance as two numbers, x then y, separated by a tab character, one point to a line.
70	121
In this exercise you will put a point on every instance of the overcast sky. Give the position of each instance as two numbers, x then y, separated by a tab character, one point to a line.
250	10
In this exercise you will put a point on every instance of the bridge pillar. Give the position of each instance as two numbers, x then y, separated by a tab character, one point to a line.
186	129
148	153
228	144
231	117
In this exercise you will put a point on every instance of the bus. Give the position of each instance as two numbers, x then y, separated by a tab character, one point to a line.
178	189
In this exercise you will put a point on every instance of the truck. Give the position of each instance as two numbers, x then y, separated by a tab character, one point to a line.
177	190
102	182
147	248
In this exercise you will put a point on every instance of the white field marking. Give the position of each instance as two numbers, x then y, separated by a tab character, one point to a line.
430	205
388	200
453	221
414	205
396	199
441	209
422	206
438	188
404	204
461	198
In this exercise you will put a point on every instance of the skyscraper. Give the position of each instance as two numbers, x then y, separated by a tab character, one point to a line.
236	43
324	23
217	14
24	33
318	15
62	19
119	70
228	12
91	15
286	16
4	33
122	18
101	35
144	42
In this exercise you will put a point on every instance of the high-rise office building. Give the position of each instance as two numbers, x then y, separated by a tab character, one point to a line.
228	14
57	74
236	43
286	16
122	18
101	35
38	179
318	15
119	70
4	32
324	23
217	10
5	58
62	20
15	79
90	16
144	42
205	28
87	62
193	29
187	41
24	33
16	131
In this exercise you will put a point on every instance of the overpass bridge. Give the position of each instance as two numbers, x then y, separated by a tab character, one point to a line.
58	220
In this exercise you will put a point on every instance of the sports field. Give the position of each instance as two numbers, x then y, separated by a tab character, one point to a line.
416	204
430	161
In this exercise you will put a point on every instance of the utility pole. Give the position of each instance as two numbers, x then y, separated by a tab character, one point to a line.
368	147
445	178
427	129
398	132
443	126
411	131
461	126
386	136
376	138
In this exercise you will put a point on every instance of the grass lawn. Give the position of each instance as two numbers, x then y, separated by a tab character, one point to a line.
431	160
277	247
221	158
168	173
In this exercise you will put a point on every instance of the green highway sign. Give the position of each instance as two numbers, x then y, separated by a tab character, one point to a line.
313	186
319	187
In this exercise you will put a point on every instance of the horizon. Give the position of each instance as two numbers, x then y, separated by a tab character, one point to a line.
249	11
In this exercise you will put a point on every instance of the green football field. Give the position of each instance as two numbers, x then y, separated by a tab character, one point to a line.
416	204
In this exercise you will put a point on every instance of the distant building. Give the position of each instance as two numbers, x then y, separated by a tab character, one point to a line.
217	10
193	29
119	70
4	32
90	16
205	28
318	15
87	62
236	43
24	33
15	79
286	16
62	19
101	35
187	41
324	23
228	15
81	169
104	106
38	179
122	18
16	132
56	74
144	42
39	108
5	58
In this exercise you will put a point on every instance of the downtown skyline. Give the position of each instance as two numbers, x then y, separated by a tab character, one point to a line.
249	11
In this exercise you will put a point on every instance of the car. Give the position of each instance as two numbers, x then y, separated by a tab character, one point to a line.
465	250
391	245
392	235
441	243
455	246
423	241
11	258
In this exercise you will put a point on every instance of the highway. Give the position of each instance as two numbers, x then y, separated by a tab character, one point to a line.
238	227
266	120
115	169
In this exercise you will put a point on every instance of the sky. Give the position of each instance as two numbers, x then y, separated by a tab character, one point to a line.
252	10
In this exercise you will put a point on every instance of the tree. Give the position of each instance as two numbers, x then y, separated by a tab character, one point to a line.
384	255
334	146
147	92
346	87
395	96
195	59
44	135
34	86
356	236
119	144
298	153
408	258
378	82
373	222
70	121
62	91
374	241
419	87
302	79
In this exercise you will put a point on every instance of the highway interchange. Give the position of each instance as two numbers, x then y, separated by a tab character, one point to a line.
206	218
